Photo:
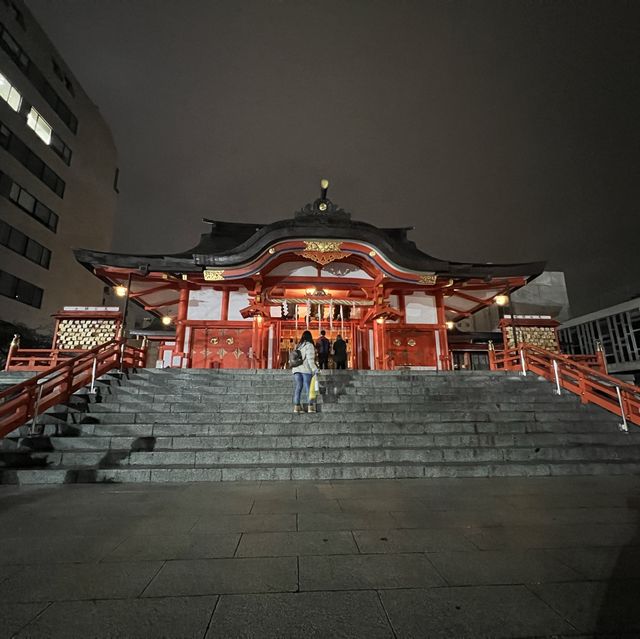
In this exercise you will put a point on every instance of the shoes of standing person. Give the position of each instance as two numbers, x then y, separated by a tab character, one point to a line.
297	409
312	408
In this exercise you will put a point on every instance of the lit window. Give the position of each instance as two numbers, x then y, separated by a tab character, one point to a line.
42	128
9	93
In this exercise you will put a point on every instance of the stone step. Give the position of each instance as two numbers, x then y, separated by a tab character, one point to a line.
312	472
259	407
319	427
281	456
303	440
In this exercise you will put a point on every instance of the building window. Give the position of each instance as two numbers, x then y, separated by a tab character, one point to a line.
41	127
20	290
15	52
28	203
21	152
10	94
22	244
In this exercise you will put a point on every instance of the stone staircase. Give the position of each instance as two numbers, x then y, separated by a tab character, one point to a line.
201	425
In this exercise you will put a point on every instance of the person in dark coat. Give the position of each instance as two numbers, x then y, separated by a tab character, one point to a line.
324	346
340	353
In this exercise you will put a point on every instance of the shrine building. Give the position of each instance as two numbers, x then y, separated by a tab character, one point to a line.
242	297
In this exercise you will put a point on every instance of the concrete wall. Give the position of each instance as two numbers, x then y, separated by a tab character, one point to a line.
546	295
88	207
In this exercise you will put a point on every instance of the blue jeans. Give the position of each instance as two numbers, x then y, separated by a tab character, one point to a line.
300	380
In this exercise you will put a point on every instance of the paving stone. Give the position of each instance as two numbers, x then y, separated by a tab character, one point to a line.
164	547
344	521
595	607
53	549
281	544
471	613
14	616
304	614
58	582
381	504
224	576
500	567
411	540
362	572
295	506
175	617
601	563
554	536
245	523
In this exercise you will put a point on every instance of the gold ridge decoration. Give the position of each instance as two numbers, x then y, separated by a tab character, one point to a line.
323	251
428	278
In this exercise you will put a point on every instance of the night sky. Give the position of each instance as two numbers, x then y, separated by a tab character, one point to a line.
503	131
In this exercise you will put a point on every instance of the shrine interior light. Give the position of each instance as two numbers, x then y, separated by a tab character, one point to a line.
501	300
166	320
120	291
450	325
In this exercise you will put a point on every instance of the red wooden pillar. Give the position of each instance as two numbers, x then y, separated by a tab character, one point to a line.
445	359
183	304
224	311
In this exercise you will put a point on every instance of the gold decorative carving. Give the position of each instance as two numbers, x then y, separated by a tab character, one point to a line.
229	340
323	251
211	275
221	353
372	253
238	353
428	278
213	340
272	251
322	246
411	342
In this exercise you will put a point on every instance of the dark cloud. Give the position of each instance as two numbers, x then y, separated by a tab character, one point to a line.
503	131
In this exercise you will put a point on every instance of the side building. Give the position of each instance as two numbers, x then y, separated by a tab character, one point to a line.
58	177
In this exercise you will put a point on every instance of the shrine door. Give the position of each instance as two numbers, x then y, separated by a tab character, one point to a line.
411	347
220	347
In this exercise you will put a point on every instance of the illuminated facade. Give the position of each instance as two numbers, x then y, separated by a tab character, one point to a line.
243	295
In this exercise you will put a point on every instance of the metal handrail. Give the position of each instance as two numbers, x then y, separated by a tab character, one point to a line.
592	386
20	402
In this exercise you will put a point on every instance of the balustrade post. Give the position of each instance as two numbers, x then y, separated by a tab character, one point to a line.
492	355
33	429
13	348
623	427
601	357
92	390
523	363
558	390
582	384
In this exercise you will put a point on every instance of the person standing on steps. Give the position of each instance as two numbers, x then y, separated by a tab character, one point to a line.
340	353
324	346
303	368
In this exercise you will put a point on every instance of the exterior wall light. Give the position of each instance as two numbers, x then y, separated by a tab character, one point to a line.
166	320
121	291
450	325
501	300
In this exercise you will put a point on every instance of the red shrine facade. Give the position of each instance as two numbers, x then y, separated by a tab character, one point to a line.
242	296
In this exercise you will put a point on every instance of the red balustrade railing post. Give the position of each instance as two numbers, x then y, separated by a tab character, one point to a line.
582	385
523	361
601	357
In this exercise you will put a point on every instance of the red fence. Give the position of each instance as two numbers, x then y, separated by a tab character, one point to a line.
592	385
20	403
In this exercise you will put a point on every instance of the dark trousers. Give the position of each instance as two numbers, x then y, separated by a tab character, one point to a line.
323	361
341	366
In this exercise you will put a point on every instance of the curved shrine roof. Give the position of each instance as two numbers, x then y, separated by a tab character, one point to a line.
231	244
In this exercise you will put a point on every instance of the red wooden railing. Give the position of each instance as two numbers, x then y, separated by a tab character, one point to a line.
20	403
593	386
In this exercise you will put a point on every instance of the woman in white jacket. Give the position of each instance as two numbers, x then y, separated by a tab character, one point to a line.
303	373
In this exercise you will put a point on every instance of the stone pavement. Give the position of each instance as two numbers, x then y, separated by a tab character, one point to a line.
500	557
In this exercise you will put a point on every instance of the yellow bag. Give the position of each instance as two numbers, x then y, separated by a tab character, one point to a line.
313	388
